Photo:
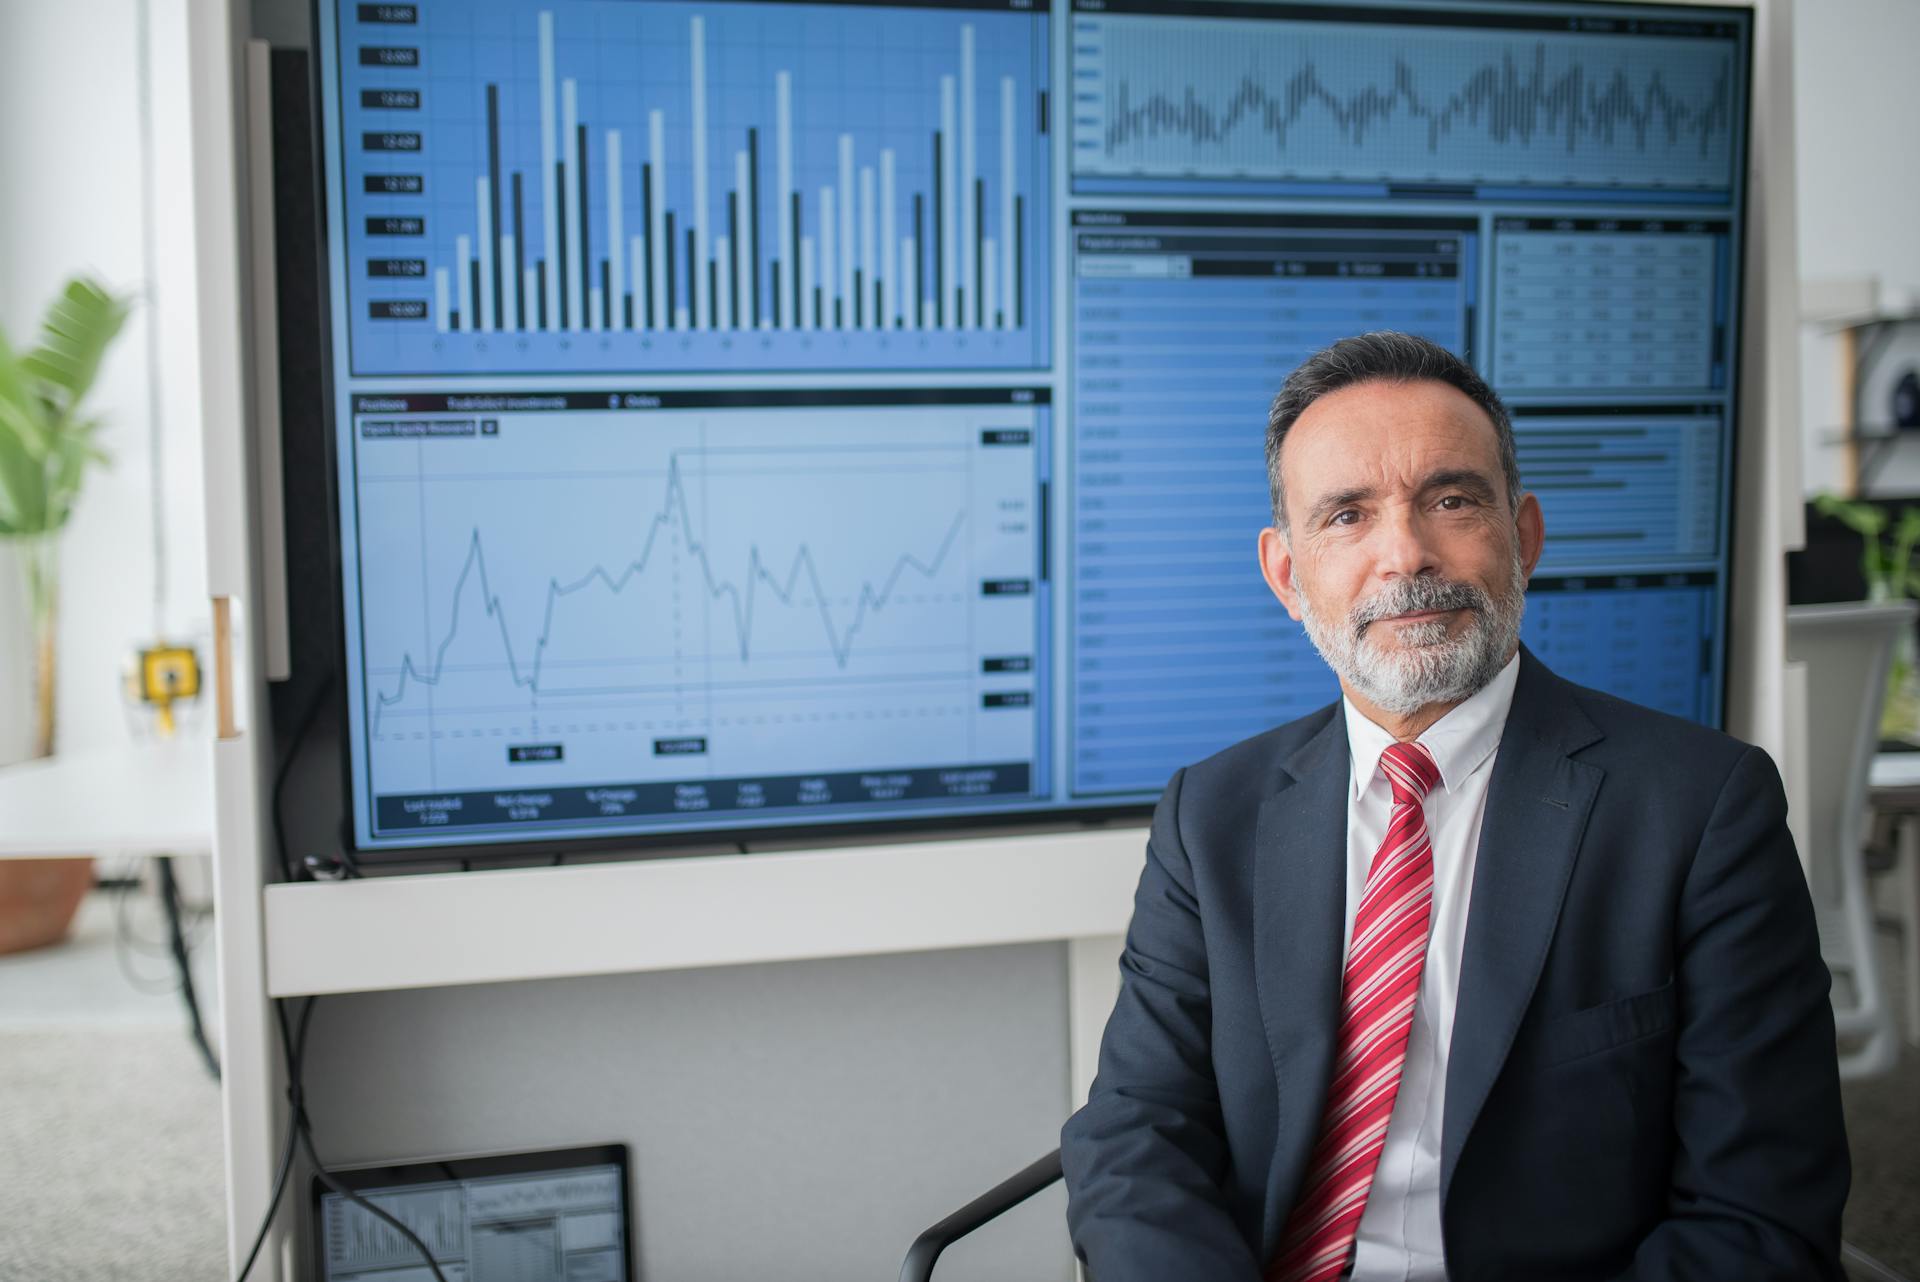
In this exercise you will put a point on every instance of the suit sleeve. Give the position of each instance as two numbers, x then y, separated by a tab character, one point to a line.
1145	1157
1760	1169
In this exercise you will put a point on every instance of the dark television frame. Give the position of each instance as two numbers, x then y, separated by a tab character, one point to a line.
1050	817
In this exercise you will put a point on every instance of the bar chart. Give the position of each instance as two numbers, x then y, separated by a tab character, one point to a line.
601	185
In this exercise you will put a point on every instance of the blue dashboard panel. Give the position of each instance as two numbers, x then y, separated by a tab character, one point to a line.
771	415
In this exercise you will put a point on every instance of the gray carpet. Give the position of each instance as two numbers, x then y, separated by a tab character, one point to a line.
1883	1131
110	1162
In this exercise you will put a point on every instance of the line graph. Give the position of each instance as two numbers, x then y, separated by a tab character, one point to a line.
581	611
1229	99
741	603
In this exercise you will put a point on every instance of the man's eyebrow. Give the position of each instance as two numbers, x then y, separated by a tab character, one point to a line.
1330	503
1459	478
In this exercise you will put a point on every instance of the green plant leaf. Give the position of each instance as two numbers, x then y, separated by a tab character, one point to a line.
23	492
74	337
1862	518
23	413
45	446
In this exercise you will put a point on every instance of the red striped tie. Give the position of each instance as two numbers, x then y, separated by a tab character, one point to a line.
1382	979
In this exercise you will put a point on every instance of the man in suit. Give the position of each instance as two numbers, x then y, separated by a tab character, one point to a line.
1475	974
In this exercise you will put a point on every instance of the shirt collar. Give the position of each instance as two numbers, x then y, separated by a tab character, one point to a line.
1461	741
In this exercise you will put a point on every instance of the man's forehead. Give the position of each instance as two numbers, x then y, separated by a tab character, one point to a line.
1382	427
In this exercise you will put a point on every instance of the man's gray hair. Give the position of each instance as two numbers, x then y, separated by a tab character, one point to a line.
1381	356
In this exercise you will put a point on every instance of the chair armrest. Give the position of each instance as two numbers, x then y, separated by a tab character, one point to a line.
997	1200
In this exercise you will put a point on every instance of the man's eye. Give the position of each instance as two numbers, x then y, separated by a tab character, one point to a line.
1345	516
1454	502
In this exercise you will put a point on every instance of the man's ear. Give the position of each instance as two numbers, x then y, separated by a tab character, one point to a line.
1532	527
1276	567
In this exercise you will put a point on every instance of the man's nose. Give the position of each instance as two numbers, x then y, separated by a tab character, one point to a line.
1401	547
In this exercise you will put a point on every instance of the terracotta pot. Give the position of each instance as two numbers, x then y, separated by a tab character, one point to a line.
38	898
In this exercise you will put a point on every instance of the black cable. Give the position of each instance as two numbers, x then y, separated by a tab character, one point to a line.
126	943
294	1047
170	903
326	1178
301	1130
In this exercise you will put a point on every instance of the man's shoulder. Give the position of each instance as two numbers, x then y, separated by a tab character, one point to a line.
1262	758
1632	735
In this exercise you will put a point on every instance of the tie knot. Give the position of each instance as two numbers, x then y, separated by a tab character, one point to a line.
1411	772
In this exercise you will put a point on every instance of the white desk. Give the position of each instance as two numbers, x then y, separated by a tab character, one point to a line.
146	799
1894	770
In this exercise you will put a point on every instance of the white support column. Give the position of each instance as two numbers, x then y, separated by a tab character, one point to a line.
440	303
1093	986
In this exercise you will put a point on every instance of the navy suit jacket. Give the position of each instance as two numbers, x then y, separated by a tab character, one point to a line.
1642	1080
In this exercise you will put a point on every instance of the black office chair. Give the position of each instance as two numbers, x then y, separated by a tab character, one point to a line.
996	1201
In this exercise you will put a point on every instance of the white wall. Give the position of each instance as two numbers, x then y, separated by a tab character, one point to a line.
70	201
1858	135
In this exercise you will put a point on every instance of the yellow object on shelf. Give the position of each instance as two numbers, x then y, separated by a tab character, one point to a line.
163	676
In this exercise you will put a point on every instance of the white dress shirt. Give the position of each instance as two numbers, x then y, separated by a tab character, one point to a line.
1399	1233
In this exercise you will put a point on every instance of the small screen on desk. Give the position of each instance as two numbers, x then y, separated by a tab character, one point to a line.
556	1223
758	415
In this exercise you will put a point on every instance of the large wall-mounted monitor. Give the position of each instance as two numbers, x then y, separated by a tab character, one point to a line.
758	415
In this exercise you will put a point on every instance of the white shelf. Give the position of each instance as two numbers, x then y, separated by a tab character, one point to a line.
666	914
147	799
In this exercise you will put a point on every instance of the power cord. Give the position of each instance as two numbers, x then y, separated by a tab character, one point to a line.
178	947
294	1046
300	1133
170	903
293	1041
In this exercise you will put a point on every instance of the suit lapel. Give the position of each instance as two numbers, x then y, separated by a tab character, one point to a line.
1300	890
1537	806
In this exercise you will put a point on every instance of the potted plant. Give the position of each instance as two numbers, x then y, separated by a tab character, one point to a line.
1890	576
46	447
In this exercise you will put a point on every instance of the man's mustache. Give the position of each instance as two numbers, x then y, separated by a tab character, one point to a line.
1417	596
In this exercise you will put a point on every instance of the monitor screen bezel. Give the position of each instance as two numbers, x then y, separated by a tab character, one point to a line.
1042	816
439	1170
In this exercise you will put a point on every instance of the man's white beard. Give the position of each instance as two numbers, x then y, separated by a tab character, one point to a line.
1427	666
